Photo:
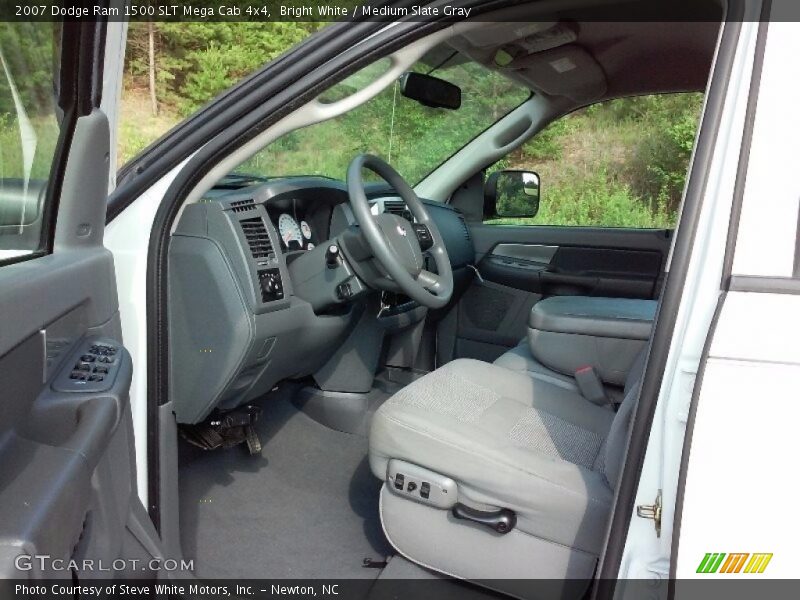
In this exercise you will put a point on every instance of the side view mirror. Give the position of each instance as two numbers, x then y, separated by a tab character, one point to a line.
20	204
430	91
512	194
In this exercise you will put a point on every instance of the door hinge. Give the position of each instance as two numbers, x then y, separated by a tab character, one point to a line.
652	511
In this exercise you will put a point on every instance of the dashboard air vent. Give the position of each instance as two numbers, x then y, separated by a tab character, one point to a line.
257	237
399	208
243	205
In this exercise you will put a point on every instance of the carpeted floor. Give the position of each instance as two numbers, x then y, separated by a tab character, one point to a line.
306	508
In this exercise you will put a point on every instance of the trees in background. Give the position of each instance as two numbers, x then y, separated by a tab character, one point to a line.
185	65
621	162
27	50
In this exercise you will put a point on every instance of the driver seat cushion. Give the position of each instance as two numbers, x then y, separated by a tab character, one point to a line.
509	441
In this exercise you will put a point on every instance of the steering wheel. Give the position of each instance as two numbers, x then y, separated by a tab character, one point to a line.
394	241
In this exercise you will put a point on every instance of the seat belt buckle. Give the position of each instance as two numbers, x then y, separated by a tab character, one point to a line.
590	385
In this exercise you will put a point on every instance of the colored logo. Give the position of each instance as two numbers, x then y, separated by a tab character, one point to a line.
739	562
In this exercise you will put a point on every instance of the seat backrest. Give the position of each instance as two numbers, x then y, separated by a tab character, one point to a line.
618	434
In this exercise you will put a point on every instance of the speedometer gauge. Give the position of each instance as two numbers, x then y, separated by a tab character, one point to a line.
289	230
306	229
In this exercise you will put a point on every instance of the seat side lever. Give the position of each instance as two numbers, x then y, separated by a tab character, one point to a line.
502	520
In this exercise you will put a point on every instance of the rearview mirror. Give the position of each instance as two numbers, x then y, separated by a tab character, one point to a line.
512	194
430	91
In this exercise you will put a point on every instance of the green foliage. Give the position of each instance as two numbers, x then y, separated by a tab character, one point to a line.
413	137
27	48
595	200
628	155
658	167
197	61
547	143
517	194
617	163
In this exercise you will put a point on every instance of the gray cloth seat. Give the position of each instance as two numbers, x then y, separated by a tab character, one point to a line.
520	359
512	441
569	332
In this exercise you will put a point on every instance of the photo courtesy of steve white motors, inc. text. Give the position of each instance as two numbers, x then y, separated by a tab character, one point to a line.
139	590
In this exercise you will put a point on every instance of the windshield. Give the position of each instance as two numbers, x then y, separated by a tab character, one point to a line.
413	138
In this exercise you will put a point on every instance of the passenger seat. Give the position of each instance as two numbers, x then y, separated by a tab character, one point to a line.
567	334
520	359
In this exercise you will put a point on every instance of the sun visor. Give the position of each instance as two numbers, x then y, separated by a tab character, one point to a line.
565	71
490	34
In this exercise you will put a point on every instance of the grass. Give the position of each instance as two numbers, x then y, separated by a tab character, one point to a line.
12	164
588	168
138	126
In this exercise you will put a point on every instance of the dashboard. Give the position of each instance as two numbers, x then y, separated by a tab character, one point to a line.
236	325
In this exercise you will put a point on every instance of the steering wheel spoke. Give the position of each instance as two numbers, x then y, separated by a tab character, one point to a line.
424	236
430	281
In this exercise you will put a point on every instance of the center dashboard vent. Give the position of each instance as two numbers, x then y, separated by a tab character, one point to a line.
257	237
399	208
243	205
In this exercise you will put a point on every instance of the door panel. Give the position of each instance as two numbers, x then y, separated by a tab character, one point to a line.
67	485
520	265
486	237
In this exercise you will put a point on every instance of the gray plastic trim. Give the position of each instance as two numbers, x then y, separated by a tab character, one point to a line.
540	253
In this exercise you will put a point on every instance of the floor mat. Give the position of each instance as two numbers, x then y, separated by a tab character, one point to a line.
306	508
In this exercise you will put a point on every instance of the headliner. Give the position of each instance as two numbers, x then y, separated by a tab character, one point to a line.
608	60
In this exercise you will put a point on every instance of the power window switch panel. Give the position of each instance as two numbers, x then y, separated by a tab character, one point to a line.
421	484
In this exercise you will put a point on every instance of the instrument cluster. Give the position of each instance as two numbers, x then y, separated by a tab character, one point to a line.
295	235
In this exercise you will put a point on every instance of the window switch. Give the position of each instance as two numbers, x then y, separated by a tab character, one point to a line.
399	481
